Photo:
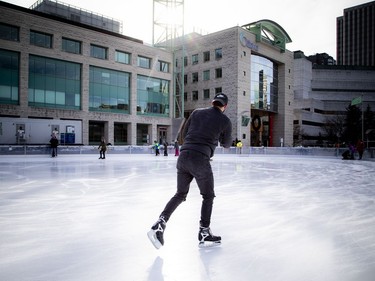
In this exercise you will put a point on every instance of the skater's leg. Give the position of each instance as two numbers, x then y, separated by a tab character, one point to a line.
183	183
184	179
205	181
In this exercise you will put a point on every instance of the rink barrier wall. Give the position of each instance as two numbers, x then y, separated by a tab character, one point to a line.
131	149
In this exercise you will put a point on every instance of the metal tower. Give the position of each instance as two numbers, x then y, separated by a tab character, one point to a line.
168	27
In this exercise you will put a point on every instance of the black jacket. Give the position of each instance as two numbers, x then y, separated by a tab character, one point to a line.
205	128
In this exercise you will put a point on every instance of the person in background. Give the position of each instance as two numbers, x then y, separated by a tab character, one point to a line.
157	148
165	148
360	148
54	143
103	148
20	135
203	130
239	147
176	149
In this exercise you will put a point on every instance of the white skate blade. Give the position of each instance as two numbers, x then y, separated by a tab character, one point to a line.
209	244
152	236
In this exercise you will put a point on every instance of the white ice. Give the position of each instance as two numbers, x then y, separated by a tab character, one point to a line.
287	218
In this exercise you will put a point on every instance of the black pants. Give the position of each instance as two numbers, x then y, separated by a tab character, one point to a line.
54	151
102	154
190	165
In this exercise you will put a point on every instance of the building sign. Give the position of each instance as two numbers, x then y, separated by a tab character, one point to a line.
247	43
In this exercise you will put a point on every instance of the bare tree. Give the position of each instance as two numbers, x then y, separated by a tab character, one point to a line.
298	134
334	128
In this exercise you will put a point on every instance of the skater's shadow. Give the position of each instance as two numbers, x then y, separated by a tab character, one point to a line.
208	255
155	272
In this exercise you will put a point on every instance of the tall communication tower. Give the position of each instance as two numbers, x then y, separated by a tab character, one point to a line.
168	27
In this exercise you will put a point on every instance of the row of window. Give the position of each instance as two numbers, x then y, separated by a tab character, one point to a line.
206	56
194	95
45	40
206	75
58	84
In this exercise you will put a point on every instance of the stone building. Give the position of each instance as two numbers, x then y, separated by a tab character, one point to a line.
85	82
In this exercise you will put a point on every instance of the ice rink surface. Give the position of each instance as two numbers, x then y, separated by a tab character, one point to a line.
286	218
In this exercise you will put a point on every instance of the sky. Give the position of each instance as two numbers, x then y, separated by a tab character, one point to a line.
311	24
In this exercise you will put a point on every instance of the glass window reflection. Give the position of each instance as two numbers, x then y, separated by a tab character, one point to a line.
152	96
109	90
54	83
264	84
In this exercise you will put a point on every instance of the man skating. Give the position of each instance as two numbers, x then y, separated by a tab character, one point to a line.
203	130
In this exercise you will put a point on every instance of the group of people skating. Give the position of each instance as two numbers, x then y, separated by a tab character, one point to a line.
349	153
157	147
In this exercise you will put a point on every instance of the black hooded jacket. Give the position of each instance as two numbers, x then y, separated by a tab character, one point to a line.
205	128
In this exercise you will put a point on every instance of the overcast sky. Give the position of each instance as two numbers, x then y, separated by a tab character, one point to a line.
311	24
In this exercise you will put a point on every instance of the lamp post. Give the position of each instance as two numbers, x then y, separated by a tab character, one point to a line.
362	118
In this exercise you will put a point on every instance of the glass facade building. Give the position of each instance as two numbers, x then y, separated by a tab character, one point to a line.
109	90
264	84
83	81
152	96
110	85
54	83
9	77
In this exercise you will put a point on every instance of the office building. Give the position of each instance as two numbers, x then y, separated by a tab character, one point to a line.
323	93
62	74
355	36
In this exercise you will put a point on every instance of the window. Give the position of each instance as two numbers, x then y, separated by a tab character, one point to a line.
264	84
194	59
185	79
163	66
99	52
71	46
9	32
218	72
122	57
206	94
206	75
218	90
218	53
194	76
40	39
54	83
9	77
120	132
206	56
144	62
195	95
109	90
185	61
152	96
185	96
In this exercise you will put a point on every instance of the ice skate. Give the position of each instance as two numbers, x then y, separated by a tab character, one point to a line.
207	239
156	233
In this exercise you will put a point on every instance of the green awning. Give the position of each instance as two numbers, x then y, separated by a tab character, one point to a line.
270	32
